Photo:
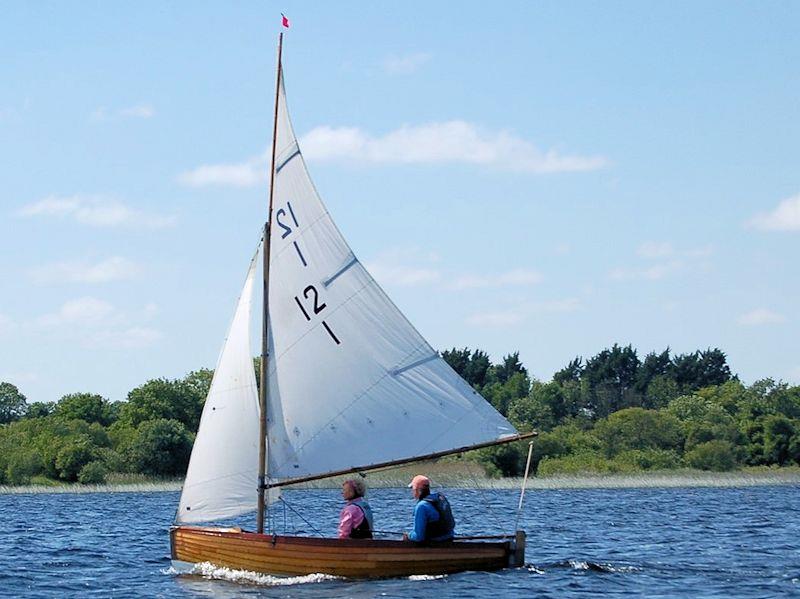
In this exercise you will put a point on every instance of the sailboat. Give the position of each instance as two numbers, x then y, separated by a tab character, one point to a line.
350	387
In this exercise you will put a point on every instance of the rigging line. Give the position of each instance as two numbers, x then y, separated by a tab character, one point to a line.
496	522
299	515
524	484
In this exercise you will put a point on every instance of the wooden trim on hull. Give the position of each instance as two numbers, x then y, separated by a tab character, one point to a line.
367	558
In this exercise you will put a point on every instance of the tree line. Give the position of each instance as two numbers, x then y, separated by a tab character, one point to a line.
612	412
617	413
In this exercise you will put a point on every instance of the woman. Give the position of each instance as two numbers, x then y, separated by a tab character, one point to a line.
355	521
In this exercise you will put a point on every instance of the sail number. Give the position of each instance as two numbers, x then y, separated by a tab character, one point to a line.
310	305
286	227
311	302
287	230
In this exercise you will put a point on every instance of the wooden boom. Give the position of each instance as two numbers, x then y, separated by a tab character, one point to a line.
380	465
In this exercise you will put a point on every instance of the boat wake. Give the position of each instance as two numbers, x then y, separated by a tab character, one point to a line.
208	570
582	565
417	577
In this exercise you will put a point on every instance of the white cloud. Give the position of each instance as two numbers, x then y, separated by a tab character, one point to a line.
115	268
94	211
510	278
663	249
650	273
97	324
445	142
761	316
570	304
665	260
129	338
404	65
141	111
784	217
521	312
495	319
454	142
654	249
81	311
246	174
404	267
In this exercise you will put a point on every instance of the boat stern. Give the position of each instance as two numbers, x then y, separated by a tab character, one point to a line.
516	557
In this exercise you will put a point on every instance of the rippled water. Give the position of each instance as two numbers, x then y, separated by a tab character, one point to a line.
696	542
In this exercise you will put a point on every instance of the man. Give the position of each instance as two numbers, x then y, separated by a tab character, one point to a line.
355	520
433	518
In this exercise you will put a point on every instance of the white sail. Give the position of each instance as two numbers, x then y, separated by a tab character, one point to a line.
351	381
222	477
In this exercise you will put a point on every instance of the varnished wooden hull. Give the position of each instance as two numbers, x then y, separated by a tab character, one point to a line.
293	556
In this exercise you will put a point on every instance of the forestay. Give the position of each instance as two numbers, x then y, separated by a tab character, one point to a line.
223	471
351	382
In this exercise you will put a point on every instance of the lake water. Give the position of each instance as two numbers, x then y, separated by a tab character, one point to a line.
694	542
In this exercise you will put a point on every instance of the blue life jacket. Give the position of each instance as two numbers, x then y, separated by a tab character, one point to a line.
442	529
363	530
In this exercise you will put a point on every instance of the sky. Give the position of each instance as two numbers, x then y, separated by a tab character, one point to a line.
543	177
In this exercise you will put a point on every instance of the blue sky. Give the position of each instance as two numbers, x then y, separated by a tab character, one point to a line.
545	177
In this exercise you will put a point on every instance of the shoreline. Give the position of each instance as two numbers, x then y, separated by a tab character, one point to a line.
658	479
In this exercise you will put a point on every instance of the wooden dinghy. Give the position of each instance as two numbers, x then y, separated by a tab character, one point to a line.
357	558
346	380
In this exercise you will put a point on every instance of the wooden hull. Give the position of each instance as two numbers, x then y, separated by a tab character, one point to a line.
368	558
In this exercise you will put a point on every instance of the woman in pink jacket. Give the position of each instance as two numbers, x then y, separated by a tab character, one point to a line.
355	520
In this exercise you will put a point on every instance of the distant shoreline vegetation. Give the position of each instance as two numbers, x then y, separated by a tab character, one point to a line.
613	414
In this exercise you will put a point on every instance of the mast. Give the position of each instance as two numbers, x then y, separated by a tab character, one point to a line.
262	392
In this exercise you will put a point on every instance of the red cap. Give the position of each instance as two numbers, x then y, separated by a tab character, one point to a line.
420	480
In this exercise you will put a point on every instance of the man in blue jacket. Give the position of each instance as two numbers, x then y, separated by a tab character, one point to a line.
433	518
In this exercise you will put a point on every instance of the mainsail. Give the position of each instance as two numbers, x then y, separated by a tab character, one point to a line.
222	474
351	381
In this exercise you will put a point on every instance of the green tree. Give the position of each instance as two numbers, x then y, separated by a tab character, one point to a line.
545	406
74	455
88	407
199	382
93	473
472	366
714	455
40	409
162	399
507	369
661	390
700	369
161	447
654	365
12	403
22	464
565	440
610	377
778	434
572	372
503	395
637	428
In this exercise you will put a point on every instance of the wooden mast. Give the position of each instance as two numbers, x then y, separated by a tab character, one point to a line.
262	392
400	462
